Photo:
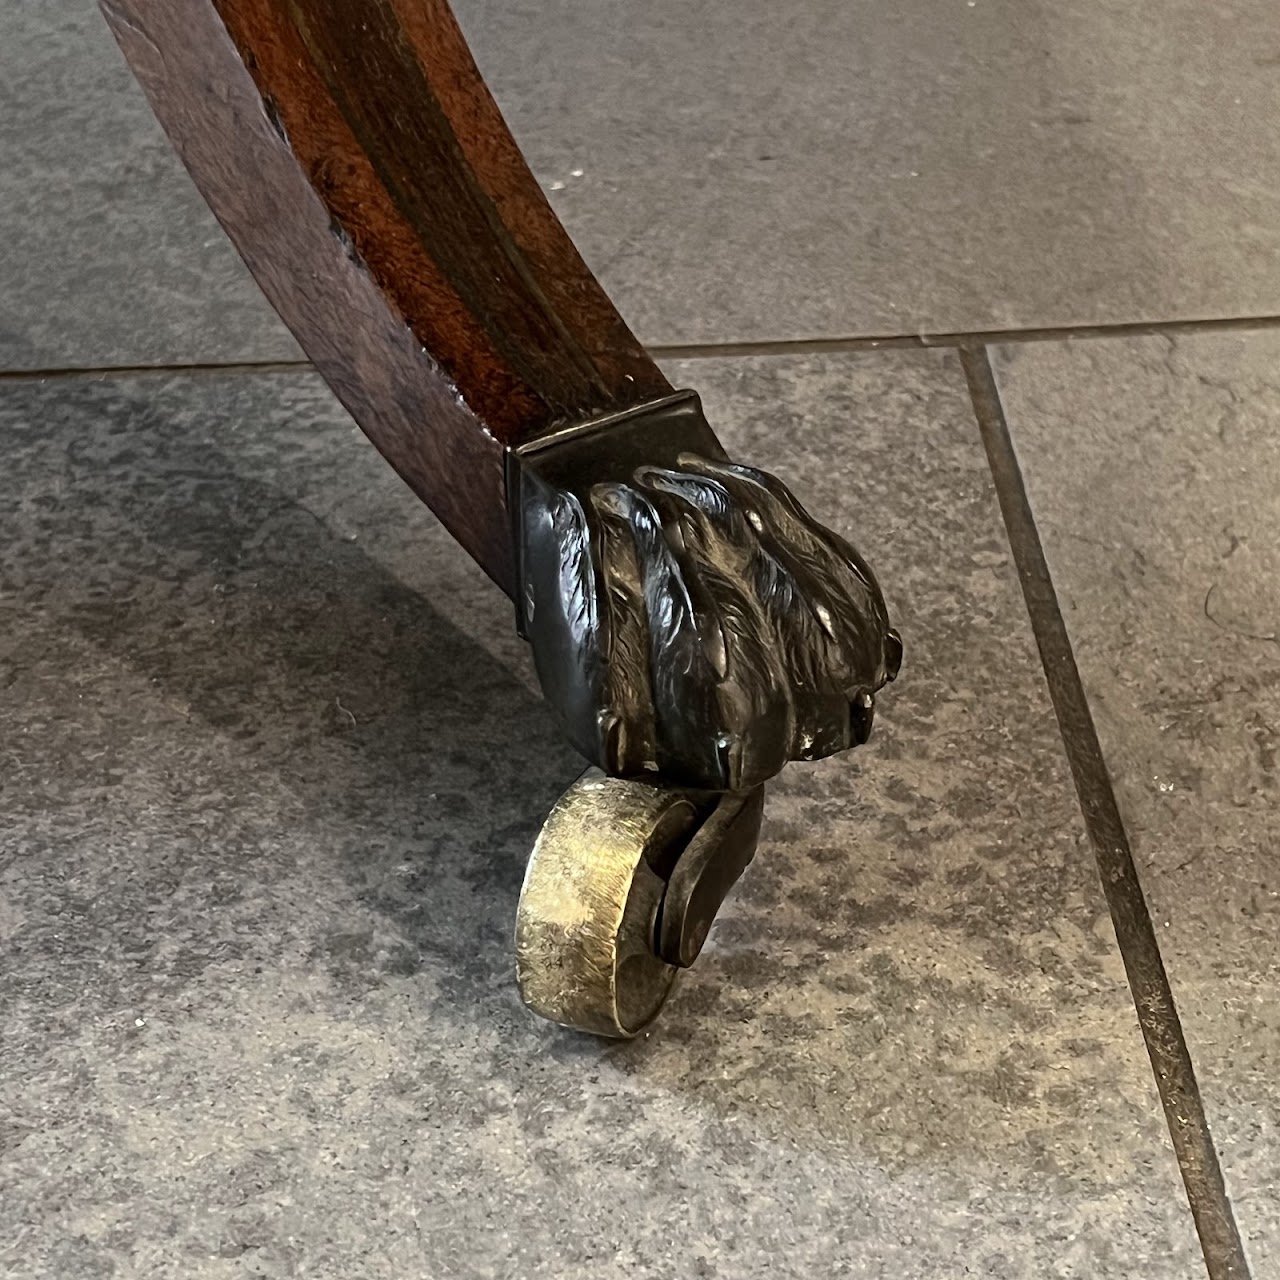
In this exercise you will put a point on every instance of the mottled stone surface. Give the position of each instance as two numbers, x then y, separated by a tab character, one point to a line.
748	171
763	170
110	255
1153	467
271	764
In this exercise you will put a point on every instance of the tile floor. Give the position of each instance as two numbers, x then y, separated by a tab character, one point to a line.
272	756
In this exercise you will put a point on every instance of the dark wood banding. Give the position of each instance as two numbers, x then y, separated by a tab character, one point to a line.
358	162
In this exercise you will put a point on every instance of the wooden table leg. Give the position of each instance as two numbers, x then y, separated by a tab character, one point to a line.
693	627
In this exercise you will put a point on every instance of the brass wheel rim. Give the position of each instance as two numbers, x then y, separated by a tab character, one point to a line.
584	926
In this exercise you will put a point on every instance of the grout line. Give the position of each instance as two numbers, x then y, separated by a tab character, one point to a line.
989	337
153	370
1148	982
714	350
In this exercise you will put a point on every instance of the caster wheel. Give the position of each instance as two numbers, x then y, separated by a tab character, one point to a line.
621	888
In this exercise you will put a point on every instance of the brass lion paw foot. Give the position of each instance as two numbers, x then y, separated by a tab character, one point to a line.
694	629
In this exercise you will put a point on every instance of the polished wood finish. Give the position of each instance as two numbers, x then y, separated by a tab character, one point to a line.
358	162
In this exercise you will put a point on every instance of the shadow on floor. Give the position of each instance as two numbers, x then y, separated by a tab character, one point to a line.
166	527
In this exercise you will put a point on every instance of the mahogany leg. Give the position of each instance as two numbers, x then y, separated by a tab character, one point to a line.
693	627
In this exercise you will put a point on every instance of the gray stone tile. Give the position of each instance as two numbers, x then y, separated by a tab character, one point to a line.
1153	466
751	171
272	763
110	256
765	171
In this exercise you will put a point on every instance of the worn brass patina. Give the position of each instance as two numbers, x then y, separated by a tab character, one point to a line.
691	622
621	890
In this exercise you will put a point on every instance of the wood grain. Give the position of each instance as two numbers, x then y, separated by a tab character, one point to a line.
355	157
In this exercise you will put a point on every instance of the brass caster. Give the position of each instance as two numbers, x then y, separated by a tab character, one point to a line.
621	889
